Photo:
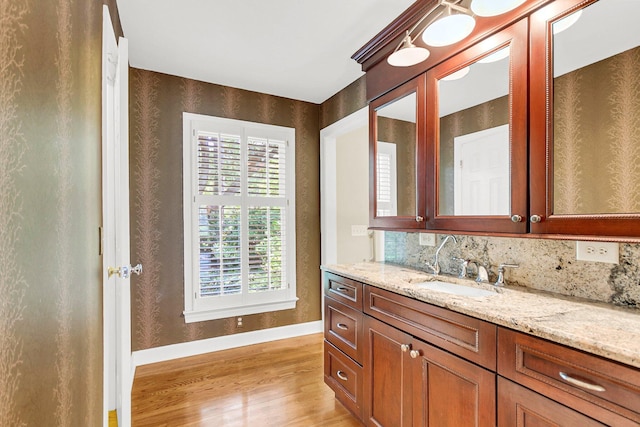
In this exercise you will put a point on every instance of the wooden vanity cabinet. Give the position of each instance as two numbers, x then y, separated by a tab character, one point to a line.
593	387
411	383
343	332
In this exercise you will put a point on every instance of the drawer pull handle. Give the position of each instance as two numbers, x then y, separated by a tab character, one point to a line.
342	376
342	326
579	383
342	289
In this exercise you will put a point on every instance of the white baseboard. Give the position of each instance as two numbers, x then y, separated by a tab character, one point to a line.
194	348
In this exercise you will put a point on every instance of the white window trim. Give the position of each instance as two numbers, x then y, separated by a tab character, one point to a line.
197	309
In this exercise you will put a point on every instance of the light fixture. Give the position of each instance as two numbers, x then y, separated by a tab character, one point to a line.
495	56
408	54
457	75
494	7
451	28
457	23
564	23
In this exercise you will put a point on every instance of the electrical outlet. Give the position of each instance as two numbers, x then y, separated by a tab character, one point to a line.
239	322
427	239
598	252
359	230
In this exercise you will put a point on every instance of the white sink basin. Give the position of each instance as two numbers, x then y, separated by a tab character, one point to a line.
455	289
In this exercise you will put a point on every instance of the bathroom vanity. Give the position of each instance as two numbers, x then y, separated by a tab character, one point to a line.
400	354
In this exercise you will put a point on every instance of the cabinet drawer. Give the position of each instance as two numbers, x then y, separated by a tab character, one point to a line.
470	338
344	376
347	291
343	327
603	389
519	406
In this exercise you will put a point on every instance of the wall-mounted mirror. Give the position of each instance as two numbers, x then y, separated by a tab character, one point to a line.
596	109
397	157
477	136
473	109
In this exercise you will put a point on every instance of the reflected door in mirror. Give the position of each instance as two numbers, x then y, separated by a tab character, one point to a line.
474	165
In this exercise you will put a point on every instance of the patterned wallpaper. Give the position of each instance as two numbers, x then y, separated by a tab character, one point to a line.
157	102
50	210
349	100
484	116
596	138
403	134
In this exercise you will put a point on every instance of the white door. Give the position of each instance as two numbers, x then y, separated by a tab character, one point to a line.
481	172
115	200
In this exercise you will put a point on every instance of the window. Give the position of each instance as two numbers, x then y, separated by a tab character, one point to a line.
386	185
239	211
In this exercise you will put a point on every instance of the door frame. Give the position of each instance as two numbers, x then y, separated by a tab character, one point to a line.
328	182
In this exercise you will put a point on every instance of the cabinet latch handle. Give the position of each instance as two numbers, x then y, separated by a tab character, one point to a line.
342	376
342	326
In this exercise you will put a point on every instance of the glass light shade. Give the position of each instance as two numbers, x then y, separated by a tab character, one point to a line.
495	56
494	7
457	75
408	56
564	23
448	30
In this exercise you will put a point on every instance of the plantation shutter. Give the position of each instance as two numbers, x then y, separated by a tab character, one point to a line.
386	191
219	231
242	214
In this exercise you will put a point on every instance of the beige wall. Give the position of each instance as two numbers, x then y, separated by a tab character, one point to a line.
50	210
352	176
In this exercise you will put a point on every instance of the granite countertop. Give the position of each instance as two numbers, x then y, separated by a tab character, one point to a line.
596	328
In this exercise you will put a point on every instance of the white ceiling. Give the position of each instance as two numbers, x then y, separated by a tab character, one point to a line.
299	49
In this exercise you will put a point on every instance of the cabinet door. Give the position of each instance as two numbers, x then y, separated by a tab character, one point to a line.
387	376
521	407
397	157
584	116
477	136
449	391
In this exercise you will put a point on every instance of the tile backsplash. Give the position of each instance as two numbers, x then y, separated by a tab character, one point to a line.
548	265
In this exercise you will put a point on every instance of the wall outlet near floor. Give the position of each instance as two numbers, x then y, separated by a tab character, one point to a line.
598	252
359	230
239	322
427	239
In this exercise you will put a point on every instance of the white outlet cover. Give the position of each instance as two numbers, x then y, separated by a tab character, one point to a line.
427	239
359	230
598	252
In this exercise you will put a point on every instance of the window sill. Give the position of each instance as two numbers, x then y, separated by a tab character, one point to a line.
212	314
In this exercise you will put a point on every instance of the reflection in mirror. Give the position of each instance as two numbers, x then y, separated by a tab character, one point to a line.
396	158
474	167
596	110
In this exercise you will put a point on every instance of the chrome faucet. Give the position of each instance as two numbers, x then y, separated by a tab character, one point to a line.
435	267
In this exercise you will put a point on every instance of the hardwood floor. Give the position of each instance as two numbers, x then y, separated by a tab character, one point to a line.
273	384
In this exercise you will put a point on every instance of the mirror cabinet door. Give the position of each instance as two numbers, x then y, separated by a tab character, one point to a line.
477	136
585	118
396	133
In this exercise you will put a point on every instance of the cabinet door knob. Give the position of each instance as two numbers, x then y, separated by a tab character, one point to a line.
535	218
516	218
414	354
405	347
419	218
